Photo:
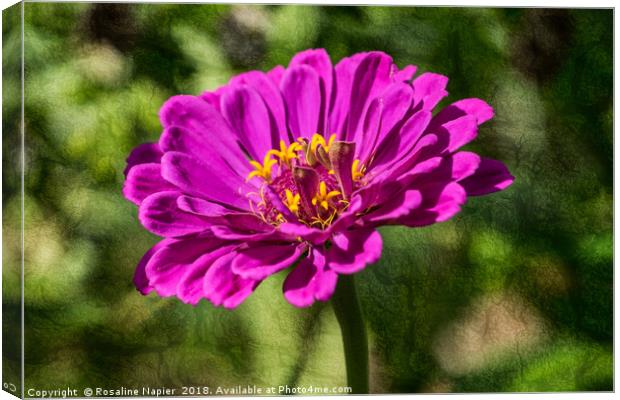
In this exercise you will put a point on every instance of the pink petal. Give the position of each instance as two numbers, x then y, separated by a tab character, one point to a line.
319	61
276	74
160	214
213	98
428	168
191	284
140	279
268	90
429	89
454	167
459	131
419	160
198	206
440	202
197	145
310	280
230	233
261	260
247	114
339	109
197	178
247	222
399	205
222	287
372	76
142	154
464	164
312	235
196	115
491	176
405	74
477	108
301	90
352	250
399	145
385	112
143	180
168	265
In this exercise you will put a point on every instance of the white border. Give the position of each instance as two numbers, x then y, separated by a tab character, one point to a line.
479	3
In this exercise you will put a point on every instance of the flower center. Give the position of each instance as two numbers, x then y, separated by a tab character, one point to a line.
304	181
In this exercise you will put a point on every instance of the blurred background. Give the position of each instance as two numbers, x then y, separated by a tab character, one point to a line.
514	294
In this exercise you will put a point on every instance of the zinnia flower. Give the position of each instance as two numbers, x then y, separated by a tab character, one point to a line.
296	168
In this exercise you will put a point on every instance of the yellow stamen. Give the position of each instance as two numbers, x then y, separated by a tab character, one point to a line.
324	222
264	170
320	140
292	201
322	198
356	172
286	154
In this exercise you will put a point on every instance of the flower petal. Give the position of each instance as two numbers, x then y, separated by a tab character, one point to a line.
198	206
310	280
222	287
385	112
459	132
319	61
143	180
440	202
261	260
371	77
247	222
247	114
463	164
454	167
246	227
142	154
197	178
398	205
404	74
213	98
194	114
491	176
301	90
268	90
197	145
139	278
414	163
399	145
160	214
312	235
171	262
276	74
229	233
191	284
341	155
352	250
429	89
477	108
339	109
307	182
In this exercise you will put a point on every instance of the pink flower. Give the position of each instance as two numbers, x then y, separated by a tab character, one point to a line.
296	168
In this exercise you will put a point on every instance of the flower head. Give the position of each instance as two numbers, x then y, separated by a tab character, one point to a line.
344	149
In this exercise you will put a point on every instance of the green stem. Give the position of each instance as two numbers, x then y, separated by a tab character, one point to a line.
349	315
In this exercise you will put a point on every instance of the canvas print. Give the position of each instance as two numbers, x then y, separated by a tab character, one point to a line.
255	200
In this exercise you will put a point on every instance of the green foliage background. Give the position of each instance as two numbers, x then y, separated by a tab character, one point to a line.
514	294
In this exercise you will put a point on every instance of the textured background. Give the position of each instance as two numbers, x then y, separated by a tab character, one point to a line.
515	294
